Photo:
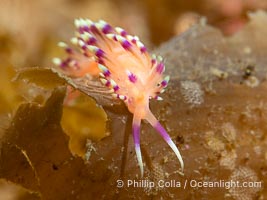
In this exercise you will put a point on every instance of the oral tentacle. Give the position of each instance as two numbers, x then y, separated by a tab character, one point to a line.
136	137
169	141
156	124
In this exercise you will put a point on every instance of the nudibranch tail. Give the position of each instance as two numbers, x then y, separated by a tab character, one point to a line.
160	129
76	64
136	137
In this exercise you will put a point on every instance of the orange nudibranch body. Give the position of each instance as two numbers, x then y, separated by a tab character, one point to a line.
76	65
124	65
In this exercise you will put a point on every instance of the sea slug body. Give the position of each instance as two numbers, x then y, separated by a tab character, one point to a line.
123	65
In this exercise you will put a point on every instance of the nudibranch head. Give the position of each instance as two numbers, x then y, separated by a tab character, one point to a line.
124	66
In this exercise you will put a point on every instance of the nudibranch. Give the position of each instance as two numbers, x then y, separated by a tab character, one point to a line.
124	66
